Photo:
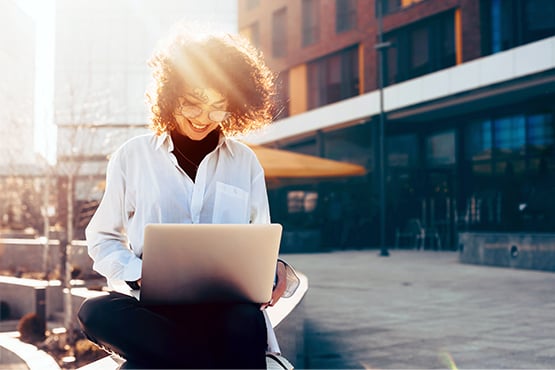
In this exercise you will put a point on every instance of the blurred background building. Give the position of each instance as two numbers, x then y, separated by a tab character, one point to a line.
100	76
17	86
469	110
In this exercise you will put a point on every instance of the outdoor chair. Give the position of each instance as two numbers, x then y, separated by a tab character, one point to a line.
416	235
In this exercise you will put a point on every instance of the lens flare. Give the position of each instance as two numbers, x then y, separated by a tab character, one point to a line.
448	360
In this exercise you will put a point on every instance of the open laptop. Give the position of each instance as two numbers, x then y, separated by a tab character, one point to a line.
201	263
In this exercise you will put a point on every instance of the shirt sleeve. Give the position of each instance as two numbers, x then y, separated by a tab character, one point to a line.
260	209
106	237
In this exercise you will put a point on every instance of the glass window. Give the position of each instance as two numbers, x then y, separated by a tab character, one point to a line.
509	134
402	151
306	147
346	15
255	34
388	6
313	85
440	149
478	141
420	48
391	61
540	133
333	78
446	40
279	33
539	19
510	23
300	201
310	22
351	144
496	26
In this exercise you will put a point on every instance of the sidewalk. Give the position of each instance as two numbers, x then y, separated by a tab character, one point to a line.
425	310
422	310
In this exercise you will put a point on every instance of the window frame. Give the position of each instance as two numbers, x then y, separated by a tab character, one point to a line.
279	33
345	15
310	27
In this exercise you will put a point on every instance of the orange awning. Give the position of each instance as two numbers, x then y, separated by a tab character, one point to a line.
285	164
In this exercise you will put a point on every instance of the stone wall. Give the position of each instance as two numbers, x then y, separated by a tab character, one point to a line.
27	255
29	295
517	250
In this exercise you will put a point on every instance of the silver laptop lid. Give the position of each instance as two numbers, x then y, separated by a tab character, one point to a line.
200	263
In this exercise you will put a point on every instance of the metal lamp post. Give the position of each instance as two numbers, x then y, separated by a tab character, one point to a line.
381	46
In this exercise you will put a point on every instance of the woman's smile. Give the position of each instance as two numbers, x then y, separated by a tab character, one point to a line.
197	127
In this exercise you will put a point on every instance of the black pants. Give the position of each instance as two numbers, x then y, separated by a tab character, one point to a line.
189	336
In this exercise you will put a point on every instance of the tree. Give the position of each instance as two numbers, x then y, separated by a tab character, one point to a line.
85	139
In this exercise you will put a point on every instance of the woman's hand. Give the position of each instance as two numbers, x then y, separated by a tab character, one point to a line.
280	287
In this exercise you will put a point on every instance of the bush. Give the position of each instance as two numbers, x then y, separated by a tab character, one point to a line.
31	328
86	351
75	272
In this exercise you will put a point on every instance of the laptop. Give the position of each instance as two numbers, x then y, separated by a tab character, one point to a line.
209	263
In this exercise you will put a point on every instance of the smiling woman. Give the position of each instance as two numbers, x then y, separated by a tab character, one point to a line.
206	88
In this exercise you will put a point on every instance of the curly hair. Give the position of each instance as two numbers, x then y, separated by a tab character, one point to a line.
226	63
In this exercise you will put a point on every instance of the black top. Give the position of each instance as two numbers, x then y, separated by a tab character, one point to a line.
190	153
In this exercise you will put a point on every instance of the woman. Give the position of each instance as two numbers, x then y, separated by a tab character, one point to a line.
189	170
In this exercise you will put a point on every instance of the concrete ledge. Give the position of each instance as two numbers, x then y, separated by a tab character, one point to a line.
29	295
34	358
288	320
517	250
29	255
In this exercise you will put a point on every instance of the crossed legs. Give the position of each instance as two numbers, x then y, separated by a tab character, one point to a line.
188	336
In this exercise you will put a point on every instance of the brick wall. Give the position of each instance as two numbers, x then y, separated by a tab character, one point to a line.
365	33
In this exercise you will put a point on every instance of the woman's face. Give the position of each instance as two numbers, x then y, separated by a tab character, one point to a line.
200	111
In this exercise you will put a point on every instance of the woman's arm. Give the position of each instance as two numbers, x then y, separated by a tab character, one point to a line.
286	278
106	239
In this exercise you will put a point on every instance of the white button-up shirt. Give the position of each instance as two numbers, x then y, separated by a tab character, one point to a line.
144	184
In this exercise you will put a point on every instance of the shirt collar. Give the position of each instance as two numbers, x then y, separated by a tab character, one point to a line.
165	139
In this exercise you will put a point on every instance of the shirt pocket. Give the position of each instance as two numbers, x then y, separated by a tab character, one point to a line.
231	205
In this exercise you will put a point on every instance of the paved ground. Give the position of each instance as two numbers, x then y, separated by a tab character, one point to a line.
423	310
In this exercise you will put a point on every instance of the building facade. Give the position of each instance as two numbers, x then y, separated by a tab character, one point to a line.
468	103
17	62
17	88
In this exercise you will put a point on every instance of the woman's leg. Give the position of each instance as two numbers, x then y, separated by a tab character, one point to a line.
147	339
195	336
243	337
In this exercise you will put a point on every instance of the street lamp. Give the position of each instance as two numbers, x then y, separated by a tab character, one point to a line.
381	46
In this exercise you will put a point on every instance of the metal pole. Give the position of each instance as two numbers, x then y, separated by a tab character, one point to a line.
46	219
68	304
380	47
